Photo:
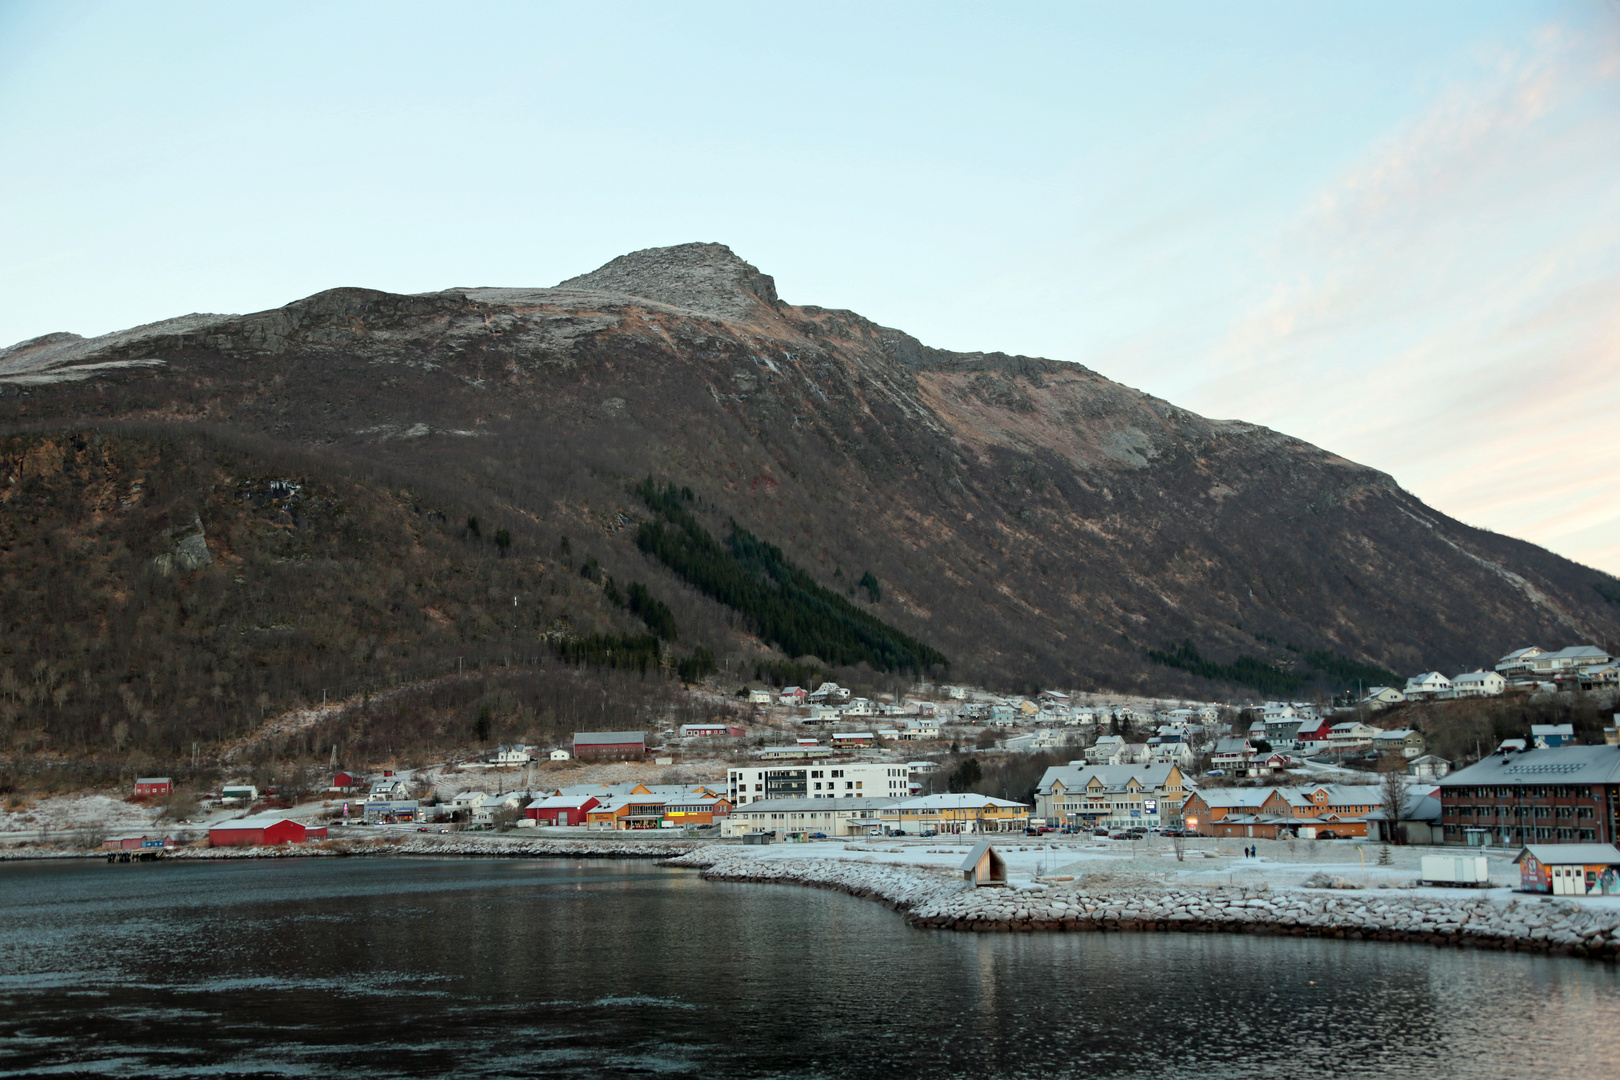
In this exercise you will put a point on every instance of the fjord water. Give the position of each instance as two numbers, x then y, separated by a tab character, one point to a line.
474	968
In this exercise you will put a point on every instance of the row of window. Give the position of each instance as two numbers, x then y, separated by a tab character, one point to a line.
1524	792
1525	811
1539	832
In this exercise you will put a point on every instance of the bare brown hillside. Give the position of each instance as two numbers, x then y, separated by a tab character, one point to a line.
1033	520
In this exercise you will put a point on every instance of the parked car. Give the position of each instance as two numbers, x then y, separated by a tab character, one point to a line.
818	836
1119	836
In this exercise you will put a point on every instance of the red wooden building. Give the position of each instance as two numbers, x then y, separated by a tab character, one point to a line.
561	809
345	782
153	785
611	745
263	829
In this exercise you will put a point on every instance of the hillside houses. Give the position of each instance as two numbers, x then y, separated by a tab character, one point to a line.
1430	684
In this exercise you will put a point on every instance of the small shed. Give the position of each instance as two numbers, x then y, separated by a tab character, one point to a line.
147	786
984	866
1570	869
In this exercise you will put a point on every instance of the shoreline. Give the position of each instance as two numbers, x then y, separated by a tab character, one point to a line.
492	848
938	900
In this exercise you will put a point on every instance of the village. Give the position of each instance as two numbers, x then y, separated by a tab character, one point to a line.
802	771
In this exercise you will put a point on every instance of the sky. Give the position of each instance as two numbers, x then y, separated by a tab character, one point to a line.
1390	229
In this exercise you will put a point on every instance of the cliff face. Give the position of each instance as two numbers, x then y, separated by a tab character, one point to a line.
1032	519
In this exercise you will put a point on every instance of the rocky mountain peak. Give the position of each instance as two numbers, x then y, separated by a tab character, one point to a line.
707	278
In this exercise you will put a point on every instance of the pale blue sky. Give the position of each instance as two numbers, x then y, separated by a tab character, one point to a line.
1391	229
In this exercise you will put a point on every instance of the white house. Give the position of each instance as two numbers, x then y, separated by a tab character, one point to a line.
830	691
1428	767
560	755
1108	750
467	800
1478	684
490	805
1232	753
1351	733
1574	659
759	697
388	789
1380	696
515	754
1178	753
1517	661
1427	685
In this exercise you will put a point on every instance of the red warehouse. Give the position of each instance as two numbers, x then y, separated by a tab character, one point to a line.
263	829
613	745
561	809
153	785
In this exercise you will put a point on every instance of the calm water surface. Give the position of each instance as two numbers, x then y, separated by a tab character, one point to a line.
495	968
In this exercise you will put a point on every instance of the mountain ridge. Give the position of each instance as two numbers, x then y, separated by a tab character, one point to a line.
1038	522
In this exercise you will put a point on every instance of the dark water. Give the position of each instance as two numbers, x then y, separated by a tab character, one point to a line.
475	968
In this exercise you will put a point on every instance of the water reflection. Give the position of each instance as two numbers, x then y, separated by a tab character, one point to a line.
496	968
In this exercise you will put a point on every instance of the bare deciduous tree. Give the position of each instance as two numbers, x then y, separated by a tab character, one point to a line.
1394	797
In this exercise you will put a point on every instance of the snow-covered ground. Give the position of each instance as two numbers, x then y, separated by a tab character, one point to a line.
1279	865
76	813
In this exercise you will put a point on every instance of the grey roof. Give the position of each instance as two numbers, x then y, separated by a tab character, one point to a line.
1228	797
1565	854
978	852
1555	765
1113	777
1576	652
599	738
1424	807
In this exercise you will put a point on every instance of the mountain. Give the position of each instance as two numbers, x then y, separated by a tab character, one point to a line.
1029	520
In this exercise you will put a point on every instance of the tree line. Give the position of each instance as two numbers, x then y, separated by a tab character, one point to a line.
754	578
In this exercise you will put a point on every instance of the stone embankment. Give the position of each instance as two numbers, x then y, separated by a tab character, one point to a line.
939	899
463	846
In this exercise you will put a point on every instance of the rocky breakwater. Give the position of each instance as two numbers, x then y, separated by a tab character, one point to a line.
496	847
905	888
938	899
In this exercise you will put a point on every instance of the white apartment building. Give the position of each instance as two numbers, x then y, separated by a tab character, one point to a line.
818	780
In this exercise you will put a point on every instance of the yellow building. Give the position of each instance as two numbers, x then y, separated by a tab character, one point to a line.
955	813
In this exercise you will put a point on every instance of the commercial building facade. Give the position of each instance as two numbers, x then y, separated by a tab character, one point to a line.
1557	795
818	780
